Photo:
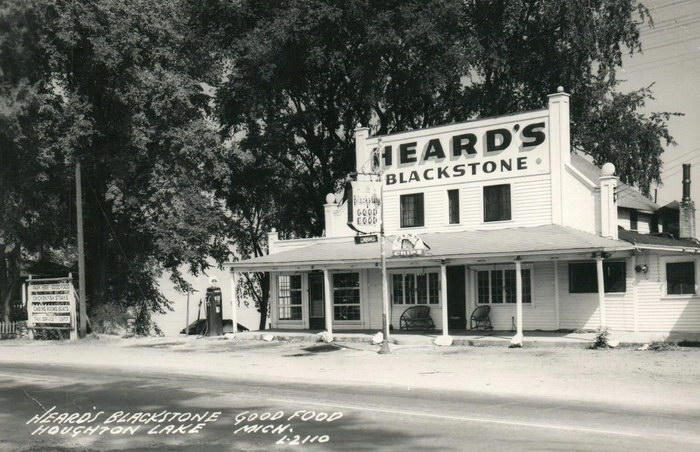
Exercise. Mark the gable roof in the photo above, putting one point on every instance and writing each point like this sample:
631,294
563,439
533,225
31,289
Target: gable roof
627,197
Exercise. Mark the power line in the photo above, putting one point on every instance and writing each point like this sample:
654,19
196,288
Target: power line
679,165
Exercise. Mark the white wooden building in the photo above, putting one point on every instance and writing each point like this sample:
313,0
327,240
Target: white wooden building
499,203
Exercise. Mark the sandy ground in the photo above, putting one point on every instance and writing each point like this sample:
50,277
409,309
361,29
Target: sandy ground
628,377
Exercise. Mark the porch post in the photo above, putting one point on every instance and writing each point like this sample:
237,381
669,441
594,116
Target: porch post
601,290
443,298
517,340
234,303
556,294
327,301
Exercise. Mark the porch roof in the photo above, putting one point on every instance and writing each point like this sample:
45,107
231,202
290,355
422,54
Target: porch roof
530,241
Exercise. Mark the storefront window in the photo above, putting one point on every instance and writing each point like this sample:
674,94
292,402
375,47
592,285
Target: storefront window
680,278
289,297
346,296
498,286
415,288
583,277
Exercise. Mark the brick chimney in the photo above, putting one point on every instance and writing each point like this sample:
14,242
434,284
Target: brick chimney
686,214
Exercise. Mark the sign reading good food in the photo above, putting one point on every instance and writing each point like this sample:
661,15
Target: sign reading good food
364,206
472,151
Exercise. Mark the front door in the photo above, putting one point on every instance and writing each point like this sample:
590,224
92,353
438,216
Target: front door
456,297
317,318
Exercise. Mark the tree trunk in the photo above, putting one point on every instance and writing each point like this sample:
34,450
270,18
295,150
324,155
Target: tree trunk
264,299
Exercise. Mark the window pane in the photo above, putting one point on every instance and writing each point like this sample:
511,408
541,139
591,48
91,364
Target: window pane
422,288
453,201
482,284
497,203
411,210
289,297
346,280
527,286
410,280
509,284
634,219
614,276
583,277
346,296
680,278
346,313
497,286
433,288
398,288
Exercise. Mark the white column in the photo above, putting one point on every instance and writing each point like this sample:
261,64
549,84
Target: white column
601,291
327,300
556,294
517,340
234,303
443,298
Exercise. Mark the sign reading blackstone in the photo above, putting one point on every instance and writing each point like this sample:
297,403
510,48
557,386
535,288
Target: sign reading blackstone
364,206
472,151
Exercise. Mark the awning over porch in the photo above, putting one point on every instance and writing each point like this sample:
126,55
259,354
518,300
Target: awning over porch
510,242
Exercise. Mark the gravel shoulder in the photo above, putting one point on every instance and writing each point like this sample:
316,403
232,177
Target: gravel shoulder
659,380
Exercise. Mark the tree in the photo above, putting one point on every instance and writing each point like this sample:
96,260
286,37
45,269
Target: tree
132,106
250,198
34,176
300,74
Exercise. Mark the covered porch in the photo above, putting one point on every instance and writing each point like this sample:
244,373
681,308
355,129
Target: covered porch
335,285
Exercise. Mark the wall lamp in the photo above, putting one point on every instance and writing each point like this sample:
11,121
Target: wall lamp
641,268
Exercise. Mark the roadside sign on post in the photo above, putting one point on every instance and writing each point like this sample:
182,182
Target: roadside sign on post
51,305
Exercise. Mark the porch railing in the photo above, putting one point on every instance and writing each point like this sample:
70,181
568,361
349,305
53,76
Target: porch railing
8,328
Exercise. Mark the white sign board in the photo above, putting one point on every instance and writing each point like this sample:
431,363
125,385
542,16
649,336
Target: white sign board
51,303
483,150
364,206
407,245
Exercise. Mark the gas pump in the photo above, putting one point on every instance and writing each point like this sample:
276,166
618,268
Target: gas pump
215,322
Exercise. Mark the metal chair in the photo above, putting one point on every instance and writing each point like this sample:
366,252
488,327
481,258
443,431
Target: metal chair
480,318
417,317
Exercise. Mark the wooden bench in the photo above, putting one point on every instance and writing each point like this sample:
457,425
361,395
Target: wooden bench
416,317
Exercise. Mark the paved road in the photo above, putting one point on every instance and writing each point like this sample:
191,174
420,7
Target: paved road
80,410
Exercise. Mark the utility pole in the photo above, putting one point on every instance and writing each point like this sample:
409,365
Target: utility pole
81,248
385,287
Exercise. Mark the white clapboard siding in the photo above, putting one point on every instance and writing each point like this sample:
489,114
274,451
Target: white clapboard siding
540,315
530,204
658,312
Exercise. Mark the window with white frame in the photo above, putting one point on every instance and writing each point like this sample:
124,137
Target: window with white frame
497,286
415,288
346,296
680,278
289,297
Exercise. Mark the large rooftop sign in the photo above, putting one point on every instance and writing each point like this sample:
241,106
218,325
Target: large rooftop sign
484,150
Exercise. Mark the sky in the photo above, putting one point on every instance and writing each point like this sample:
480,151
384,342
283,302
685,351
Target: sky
671,61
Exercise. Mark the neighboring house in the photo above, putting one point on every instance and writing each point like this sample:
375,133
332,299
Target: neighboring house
472,213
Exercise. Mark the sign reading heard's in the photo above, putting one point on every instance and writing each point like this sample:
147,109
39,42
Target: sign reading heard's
466,153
